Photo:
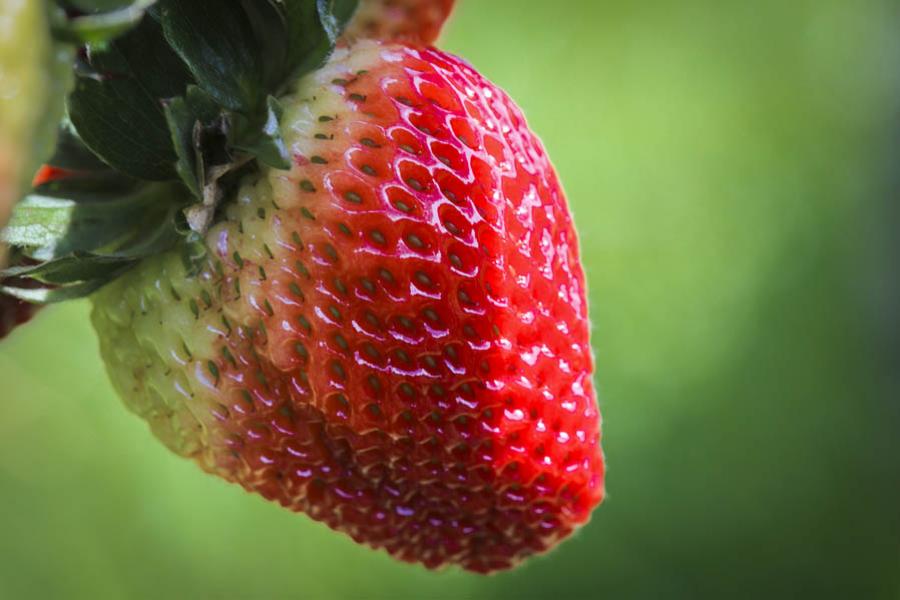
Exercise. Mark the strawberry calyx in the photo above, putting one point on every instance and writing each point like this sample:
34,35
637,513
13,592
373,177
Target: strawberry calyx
172,104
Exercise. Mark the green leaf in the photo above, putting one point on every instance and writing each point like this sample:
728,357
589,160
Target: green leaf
182,124
269,25
335,14
114,122
186,94
313,29
84,244
132,225
38,221
92,186
264,140
158,235
219,47
102,26
116,107
61,294
71,153
197,126
193,254
70,269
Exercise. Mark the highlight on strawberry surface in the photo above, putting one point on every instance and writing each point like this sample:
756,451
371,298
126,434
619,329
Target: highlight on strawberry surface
328,262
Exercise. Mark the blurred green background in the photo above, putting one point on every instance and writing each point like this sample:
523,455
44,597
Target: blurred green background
734,169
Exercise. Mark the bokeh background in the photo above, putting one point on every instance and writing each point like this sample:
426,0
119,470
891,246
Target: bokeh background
734,169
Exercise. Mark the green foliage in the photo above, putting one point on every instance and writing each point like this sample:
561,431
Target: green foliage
116,108
312,30
262,139
220,48
71,153
170,92
193,120
84,239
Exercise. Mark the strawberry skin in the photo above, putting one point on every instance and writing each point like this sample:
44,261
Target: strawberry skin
410,21
391,337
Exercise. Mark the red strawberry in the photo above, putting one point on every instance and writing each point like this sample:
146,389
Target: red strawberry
411,21
391,337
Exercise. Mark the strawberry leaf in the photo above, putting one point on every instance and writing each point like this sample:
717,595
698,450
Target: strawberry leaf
219,48
309,45
313,28
163,121
71,269
131,225
84,243
38,221
193,120
309,39
51,295
269,25
87,186
72,154
116,106
263,140
334,15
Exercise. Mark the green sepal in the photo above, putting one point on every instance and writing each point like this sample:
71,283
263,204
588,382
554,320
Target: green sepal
246,49
263,140
72,154
193,253
334,15
313,29
213,144
219,47
131,106
131,225
72,269
38,221
89,187
81,244
164,119
198,127
116,105
270,32
52,295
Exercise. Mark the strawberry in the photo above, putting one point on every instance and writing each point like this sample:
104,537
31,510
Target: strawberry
340,272
391,336
411,21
